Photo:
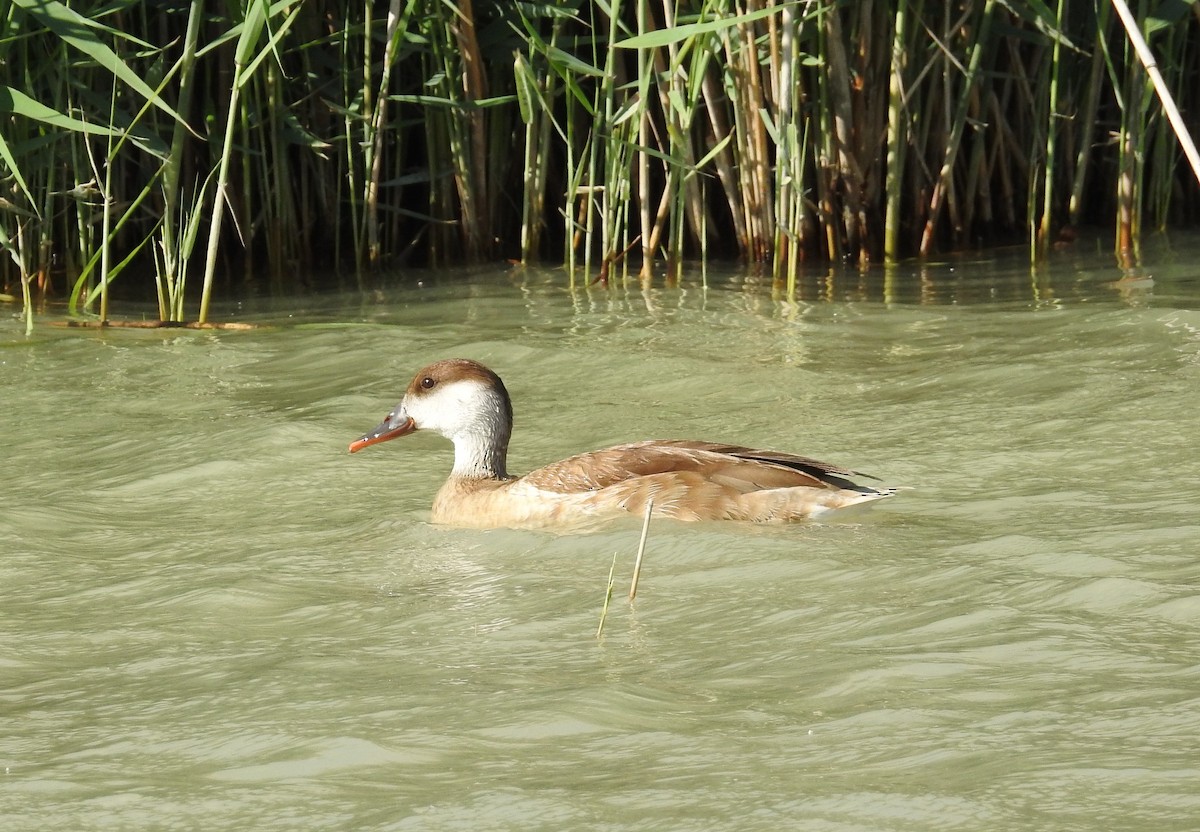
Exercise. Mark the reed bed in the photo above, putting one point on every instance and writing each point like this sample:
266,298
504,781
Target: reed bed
185,148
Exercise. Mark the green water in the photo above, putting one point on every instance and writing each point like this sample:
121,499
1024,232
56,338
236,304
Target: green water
213,617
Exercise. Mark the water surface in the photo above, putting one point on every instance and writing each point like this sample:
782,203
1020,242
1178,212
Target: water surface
215,618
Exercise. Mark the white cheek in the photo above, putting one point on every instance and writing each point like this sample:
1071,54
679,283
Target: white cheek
472,406
449,410
421,413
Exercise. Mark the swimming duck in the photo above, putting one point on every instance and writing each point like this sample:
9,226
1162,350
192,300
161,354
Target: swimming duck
468,404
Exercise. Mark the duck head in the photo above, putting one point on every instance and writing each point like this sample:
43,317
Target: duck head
462,400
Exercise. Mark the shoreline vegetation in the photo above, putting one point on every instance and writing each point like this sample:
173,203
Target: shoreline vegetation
203,145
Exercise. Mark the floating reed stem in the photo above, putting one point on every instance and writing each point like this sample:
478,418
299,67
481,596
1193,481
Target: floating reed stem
608,592
637,564
637,568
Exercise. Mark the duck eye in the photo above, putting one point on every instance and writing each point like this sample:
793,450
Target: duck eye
428,382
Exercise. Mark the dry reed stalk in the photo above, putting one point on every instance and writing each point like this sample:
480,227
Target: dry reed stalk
943,185
1087,119
644,61
755,161
849,176
473,192
1160,86
1129,165
725,160
897,136
1041,240
975,189
252,26
376,122
789,195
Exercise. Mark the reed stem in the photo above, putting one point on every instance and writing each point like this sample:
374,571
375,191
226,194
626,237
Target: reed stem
648,132
1160,86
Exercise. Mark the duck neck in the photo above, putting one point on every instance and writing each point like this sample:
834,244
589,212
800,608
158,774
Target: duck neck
481,437
480,457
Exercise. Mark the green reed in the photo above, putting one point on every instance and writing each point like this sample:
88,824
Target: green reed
260,141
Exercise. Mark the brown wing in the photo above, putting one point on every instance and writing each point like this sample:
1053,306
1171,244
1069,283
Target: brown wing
824,471
743,469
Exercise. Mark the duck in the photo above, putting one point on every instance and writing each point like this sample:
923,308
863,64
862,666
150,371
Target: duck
685,480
